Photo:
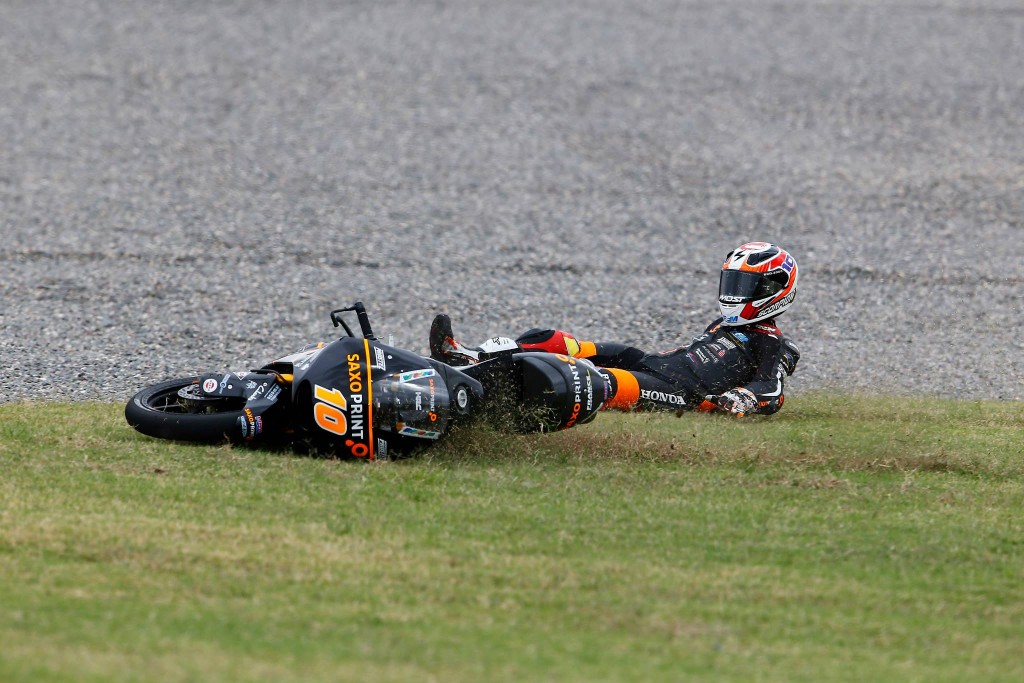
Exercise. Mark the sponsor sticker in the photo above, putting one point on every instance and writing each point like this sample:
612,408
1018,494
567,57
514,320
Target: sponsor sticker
259,391
607,384
419,433
577,387
779,304
252,425
341,405
210,385
416,374
662,397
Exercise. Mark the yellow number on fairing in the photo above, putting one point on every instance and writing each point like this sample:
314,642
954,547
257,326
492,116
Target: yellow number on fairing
329,415
332,396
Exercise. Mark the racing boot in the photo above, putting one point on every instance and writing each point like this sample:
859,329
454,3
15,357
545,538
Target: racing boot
445,348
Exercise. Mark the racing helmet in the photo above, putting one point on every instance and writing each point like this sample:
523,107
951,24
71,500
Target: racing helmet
758,282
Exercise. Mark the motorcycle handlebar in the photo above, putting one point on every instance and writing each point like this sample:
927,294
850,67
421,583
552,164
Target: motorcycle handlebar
361,315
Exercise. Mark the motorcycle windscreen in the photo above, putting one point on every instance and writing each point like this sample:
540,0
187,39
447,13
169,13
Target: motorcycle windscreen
412,404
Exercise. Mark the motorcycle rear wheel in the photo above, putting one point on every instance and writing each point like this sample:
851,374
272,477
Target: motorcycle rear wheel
176,410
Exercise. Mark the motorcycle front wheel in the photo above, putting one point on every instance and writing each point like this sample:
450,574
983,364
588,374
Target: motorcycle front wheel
178,410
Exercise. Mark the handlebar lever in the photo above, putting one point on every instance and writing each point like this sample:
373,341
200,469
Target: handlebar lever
364,320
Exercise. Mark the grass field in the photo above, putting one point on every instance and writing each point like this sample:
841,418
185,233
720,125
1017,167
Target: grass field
845,539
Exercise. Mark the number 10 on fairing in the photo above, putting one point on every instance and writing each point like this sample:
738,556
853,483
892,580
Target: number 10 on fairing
329,410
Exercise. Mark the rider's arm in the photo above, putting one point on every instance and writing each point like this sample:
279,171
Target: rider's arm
777,359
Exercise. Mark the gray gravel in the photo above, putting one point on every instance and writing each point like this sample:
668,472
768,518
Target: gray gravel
190,186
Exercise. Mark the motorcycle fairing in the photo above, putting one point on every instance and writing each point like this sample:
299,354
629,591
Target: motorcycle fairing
541,392
366,399
332,391
259,390
412,403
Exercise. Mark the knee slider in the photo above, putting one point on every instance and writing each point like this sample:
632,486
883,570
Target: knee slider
549,341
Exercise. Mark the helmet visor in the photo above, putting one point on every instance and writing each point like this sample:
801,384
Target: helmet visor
738,286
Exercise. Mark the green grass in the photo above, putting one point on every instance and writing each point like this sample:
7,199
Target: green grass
844,539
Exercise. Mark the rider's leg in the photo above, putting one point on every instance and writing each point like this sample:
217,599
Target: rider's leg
603,354
445,348
635,390
631,389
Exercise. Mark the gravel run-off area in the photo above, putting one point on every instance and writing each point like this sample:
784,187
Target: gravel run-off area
191,186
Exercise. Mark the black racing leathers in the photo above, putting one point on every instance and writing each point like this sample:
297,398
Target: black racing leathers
754,357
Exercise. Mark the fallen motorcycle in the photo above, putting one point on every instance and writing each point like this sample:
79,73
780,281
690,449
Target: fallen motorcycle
359,397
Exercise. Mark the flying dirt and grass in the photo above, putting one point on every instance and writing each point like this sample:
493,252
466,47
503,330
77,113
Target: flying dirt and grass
882,541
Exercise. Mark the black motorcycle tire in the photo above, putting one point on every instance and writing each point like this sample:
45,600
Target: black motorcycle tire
147,412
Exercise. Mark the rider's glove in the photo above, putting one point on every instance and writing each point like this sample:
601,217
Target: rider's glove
738,402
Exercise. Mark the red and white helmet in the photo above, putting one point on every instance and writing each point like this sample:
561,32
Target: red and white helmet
758,282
